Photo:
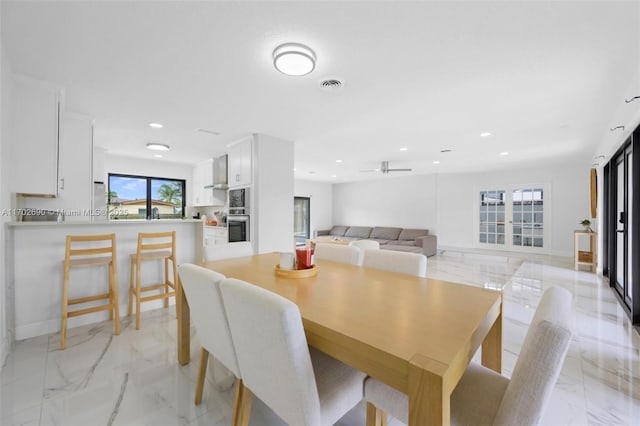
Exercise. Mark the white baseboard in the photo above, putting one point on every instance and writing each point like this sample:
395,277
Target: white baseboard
507,253
41,328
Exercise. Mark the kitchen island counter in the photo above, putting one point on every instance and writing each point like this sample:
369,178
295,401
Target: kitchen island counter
102,222
35,254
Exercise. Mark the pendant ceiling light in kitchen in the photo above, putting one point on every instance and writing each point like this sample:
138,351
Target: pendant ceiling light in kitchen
294,59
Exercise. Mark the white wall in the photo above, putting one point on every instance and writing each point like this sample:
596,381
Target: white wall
6,298
627,115
445,203
406,202
568,201
321,203
143,167
273,194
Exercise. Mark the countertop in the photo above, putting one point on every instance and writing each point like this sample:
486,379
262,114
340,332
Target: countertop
103,223
215,227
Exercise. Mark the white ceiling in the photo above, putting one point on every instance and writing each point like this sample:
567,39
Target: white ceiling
542,77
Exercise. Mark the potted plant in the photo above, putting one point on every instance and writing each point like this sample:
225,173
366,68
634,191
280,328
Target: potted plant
587,225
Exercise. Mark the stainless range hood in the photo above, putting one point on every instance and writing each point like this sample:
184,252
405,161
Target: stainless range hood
219,173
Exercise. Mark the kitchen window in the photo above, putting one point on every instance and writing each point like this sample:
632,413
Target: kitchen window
144,197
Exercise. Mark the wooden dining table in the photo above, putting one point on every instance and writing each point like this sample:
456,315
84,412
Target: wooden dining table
415,334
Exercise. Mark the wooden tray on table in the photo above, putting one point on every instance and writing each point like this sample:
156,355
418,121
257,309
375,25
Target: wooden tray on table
296,273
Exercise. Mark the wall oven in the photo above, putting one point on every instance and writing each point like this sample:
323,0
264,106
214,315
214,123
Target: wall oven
239,201
238,226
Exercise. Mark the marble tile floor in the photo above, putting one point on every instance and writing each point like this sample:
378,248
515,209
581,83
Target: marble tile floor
134,378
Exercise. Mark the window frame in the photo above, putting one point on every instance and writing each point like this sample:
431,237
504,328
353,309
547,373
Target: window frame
149,200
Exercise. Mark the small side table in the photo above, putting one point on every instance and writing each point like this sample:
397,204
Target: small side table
580,257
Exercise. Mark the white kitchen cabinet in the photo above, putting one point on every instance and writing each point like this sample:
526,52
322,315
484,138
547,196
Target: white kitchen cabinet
99,174
203,176
75,168
201,173
239,163
75,179
215,236
34,147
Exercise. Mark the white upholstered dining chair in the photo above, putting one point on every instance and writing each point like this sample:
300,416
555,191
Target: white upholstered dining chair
484,397
364,245
396,261
337,253
202,289
302,386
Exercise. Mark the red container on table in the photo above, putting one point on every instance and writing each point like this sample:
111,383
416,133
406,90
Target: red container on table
304,257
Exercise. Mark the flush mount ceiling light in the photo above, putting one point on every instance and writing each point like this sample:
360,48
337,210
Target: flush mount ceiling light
156,125
436,162
294,59
404,148
503,153
158,147
485,134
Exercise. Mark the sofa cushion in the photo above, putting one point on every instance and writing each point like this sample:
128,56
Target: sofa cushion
382,241
338,230
358,232
412,234
404,243
410,249
385,232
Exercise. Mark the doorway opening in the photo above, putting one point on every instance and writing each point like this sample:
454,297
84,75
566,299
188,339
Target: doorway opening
301,219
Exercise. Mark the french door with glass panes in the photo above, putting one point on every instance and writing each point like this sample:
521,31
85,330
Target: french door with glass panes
512,217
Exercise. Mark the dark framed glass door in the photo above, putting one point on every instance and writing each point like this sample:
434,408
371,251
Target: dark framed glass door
621,235
301,219
621,226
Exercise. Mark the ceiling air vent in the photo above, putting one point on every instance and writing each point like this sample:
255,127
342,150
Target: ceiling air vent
331,84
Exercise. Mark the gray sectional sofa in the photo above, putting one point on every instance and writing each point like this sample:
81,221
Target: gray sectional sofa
411,240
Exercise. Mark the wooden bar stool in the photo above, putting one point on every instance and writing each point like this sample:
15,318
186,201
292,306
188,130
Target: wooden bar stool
88,255
152,246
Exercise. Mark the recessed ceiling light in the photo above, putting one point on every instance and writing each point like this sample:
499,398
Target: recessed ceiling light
485,134
338,161
158,147
157,155
404,148
436,162
294,169
503,153
334,176
156,125
294,59
445,150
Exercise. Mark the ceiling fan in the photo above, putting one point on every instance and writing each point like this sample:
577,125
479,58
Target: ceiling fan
384,169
